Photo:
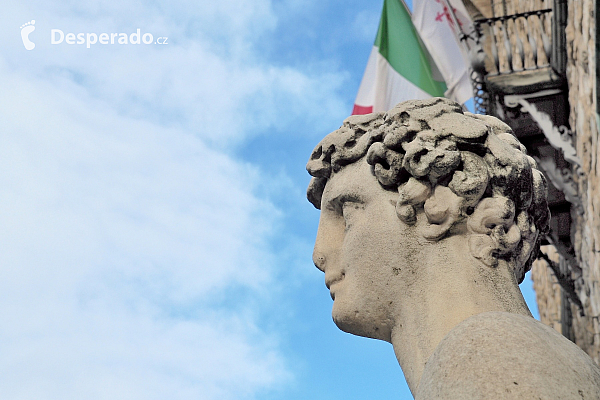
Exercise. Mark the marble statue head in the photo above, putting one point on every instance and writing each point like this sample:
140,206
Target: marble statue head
429,172
430,217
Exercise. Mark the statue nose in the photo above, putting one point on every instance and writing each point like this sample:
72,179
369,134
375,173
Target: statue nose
319,260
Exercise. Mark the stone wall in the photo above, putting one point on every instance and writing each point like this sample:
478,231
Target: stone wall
581,77
547,290
584,330
554,308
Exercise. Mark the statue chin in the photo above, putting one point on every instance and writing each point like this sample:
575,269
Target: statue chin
360,324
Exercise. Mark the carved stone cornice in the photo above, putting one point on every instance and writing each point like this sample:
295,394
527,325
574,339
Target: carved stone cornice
559,137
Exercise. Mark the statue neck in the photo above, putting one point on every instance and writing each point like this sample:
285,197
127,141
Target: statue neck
451,287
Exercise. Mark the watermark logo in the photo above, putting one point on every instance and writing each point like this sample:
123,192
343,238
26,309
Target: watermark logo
26,29
57,37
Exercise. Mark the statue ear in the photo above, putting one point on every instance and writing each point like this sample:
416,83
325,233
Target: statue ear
493,229
387,164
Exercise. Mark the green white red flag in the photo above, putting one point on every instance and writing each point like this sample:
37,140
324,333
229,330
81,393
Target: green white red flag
400,66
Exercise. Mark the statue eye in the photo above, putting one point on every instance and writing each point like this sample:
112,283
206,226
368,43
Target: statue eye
350,212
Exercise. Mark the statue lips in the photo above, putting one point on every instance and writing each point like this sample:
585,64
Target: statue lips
330,282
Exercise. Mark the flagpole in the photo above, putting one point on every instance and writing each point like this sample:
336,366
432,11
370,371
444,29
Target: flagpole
406,6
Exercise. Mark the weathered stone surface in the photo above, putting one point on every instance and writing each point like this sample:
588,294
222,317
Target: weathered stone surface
581,77
507,361
582,80
584,330
419,254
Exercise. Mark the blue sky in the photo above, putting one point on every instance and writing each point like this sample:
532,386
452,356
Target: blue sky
156,240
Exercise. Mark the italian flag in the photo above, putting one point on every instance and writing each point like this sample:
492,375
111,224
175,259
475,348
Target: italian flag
399,67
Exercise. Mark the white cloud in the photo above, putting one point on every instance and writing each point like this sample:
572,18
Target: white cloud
210,70
133,252
108,223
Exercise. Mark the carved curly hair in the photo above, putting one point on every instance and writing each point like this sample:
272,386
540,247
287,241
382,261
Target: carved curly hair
454,167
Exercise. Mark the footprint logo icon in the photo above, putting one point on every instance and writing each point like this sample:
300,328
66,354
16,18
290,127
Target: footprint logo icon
26,29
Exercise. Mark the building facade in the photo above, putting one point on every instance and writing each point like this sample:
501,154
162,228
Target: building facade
534,67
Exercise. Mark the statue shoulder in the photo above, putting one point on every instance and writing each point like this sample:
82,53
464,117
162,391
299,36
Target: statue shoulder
499,355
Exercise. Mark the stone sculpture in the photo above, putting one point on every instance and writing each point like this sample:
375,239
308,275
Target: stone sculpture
430,217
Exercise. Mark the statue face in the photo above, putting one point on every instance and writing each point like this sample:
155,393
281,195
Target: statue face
364,250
